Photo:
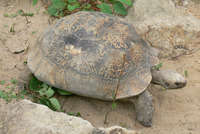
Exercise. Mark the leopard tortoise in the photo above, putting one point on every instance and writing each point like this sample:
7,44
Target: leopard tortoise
83,54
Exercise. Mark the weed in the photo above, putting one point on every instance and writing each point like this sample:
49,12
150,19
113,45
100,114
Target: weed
6,15
123,124
8,96
163,89
2,82
5,25
20,12
158,66
13,81
11,15
74,114
43,93
12,29
114,104
60,8
34,32
186,73
34,2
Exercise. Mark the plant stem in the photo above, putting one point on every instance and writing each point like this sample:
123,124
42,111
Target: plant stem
13,30
116,91
25,16
5,45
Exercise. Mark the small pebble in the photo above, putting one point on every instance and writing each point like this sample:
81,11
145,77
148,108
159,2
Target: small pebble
185,3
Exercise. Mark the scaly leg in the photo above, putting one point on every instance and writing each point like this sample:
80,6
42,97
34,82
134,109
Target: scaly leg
144,108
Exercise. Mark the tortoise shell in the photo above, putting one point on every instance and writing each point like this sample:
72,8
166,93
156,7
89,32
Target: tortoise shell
83,54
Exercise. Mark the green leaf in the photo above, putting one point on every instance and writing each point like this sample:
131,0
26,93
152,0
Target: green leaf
41,93
13,15
6,15
35,2
163,89
62,92
52,10
49,92
61,14
45,101
119,8
58,4
56,14
71,7
13,96
34,84
105,8
55,103
8,100
158,66
71,1
127,2
11,29
77,5
44,87
20,11
2,82
23,92
114,105
74,114
13,81
88,6
186,73
22,97
28,14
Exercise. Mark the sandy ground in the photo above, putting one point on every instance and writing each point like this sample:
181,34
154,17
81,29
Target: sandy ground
176,111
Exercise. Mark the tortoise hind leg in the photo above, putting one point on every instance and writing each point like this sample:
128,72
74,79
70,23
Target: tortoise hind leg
144,108
24,78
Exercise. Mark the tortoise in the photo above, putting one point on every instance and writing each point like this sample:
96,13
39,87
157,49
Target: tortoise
83,54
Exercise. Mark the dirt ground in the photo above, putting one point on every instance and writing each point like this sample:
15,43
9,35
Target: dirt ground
176,111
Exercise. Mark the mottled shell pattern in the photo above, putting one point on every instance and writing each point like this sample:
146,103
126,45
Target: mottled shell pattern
83,54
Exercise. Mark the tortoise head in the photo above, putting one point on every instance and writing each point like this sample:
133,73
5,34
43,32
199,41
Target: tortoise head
168,79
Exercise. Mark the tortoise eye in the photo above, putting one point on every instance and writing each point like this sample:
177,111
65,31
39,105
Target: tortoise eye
177,83
167,84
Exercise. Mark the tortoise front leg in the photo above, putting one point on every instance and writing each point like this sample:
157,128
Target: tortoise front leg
144,108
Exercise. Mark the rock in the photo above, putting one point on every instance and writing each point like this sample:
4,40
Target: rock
25,117
113,130
196,1
168,28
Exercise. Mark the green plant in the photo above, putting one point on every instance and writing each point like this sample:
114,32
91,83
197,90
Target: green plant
74,114
186,73
158,66
34,32
114,103
19,12
12,29
44,93
2,82
9,95
60,8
